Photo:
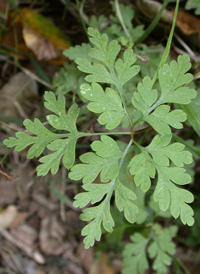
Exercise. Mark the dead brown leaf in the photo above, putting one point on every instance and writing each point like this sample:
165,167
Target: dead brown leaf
188,23
42,47
7,216
21,216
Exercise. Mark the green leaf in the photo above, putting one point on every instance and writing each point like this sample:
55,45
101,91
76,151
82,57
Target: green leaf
134,255
61,120
67,79
156,209
63,148
107,103
39,142
107,53
45,138
161,118
143,169
127,180
189,144
104,161
162,248
167,194
145,97
123,200
97,215
193,4
125,68
100,214
98,73
78,52
104,52
172,77
162,152
96,22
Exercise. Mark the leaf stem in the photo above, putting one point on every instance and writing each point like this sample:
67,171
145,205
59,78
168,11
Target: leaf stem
119,15
152,25
125,153
167,49
124,103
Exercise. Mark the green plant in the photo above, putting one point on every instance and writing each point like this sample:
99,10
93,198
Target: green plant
127,171
193,4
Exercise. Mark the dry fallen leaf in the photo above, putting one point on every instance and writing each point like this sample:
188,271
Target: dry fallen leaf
151,8
35,34
41,46
8,216
188,23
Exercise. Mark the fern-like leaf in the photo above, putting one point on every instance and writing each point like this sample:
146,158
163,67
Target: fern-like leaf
162,248
106,53
135,259
171,78
45,138
105,161
107,103
143,169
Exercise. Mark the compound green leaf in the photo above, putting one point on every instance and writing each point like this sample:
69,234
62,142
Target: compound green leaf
145,97
67,79
98,72
108,70
62,121
193,4
99,214
162,248
162,118
104,52
125,69
42,138
107,103
63,148
104,161
123,200
162,152
96,22
45,138
127,180
143,169
134,255
172,77
78,52
94,194
168,194
156,209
